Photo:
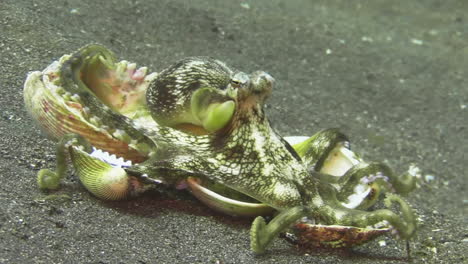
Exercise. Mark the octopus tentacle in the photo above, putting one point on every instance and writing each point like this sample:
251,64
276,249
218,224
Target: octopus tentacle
98,177
48,179
334,212
359,184
261,234
315,150
372,178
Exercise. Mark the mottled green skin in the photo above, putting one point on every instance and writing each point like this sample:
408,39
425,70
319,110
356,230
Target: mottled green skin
240,156
246,155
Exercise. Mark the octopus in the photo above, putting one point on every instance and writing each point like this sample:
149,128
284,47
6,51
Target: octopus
201,125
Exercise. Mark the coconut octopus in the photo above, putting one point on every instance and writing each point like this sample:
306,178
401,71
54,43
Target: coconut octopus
201,125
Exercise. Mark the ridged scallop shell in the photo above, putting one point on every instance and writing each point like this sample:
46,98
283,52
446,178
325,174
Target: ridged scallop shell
222,203
309,235
50,99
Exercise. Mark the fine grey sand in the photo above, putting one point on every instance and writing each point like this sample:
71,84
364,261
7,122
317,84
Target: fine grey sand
393,75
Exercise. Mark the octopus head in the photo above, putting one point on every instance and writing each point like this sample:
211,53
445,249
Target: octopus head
205,93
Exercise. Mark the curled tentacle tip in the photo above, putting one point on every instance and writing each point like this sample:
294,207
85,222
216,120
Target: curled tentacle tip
410,225
407,181
257,232
391,198
47,180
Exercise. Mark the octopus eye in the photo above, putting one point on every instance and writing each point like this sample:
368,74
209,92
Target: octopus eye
240,79
235,82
